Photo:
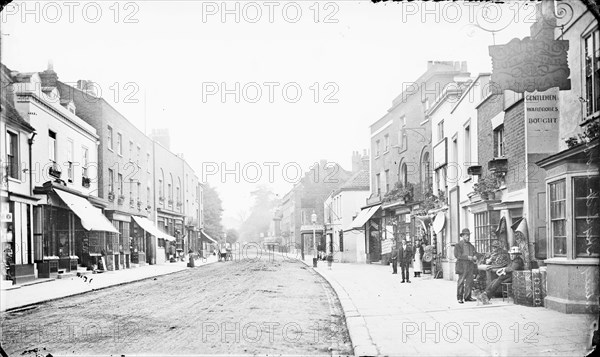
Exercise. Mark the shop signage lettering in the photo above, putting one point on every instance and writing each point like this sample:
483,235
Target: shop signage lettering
542,119
530,65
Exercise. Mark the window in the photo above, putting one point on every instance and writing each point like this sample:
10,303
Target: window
111,181
70,169
387,181
386,143
131,151
139,154
52,145
12,154
110,138
558,221
440,130
119,144
499,141
139,191
485,224
170,192
160,188
85,158
120,185
377,148
592,72
147,162
467,148
148,195
425,172
403,177
586,209
403,120
403,139
442,238
378,184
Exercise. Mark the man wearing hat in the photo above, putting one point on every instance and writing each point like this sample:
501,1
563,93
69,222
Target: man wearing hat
465,255
505,273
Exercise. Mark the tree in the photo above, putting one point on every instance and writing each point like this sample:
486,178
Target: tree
232,235
261,214
213,212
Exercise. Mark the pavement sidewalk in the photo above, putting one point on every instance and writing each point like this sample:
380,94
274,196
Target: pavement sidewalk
386,317
50,289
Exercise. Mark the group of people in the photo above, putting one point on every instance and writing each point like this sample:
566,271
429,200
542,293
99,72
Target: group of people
499,261
405,254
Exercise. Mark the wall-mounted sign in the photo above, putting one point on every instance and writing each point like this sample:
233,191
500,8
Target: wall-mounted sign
6,217
542,121
529,65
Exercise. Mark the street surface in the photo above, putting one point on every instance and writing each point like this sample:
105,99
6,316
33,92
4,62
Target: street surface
263,306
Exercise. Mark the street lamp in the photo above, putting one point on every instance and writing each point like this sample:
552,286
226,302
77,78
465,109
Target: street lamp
313,219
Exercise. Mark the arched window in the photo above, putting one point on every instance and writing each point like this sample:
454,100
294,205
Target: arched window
403,175
425,172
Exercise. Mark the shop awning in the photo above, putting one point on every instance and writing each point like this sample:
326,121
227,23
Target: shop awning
149,227
91,217
208,237
363,217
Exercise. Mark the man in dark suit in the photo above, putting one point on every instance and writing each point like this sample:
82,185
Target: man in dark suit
394,259
405,254
465,255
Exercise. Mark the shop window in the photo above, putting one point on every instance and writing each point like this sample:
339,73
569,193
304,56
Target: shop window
558,221
442,239
592,72
586,211
486,224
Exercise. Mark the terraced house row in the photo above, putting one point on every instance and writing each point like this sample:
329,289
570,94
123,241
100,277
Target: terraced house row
83,188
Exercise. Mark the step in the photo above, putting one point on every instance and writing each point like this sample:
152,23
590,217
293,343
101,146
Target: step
8,285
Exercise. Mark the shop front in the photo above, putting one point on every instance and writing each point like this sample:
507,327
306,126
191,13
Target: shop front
16,237
69,231
573,246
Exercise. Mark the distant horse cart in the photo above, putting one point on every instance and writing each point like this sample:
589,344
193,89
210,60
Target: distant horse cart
224,254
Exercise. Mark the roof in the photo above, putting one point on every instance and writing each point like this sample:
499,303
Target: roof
359,181
12,117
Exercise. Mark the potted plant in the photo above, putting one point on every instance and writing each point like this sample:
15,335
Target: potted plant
400,193
487,186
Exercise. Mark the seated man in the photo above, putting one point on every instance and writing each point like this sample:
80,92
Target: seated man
504,274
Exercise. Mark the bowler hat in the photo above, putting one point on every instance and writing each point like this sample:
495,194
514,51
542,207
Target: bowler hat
465,231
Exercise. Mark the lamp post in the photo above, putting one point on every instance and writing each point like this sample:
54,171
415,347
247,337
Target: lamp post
313,219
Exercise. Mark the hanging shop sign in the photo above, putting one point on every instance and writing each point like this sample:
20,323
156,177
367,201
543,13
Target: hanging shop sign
528,65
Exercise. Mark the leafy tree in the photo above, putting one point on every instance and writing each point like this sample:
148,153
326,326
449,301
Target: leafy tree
261,214
232,235
213,212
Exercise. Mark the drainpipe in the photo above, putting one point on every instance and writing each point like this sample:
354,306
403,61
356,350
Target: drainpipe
30,142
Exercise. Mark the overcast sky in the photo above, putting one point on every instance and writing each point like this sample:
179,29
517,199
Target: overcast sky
177,54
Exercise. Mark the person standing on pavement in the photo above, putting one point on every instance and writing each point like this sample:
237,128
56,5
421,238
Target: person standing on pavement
465,254
394,259
405,255
418,263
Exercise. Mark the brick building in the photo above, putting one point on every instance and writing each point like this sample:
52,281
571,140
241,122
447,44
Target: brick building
125,168
401,157
305,198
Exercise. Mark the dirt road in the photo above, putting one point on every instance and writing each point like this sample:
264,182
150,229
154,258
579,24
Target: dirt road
262,307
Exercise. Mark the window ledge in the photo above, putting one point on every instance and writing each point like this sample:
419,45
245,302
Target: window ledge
385,152
468,179
576,261
111,150
13,179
